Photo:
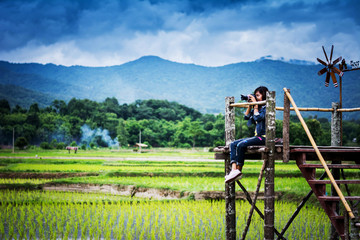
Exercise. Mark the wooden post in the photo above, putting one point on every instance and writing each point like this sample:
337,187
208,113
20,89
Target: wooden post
286,129
335,126
229,187
269,195
13,145
140,141
335,141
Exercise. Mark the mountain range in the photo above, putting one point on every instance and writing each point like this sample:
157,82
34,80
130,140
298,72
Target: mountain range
150,77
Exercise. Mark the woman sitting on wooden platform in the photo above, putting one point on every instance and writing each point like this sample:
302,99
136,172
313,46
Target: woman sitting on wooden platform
238,147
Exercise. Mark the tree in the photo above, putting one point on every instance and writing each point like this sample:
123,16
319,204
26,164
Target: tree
4,106
34,108
59,106
18,109
122,133
195,131
45,145
53,143
111,105
21,142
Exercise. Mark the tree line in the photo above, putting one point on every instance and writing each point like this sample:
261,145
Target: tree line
87,123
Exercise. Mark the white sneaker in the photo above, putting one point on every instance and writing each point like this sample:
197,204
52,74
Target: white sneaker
233,175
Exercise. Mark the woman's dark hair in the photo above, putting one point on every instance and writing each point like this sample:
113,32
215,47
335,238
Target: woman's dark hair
262,90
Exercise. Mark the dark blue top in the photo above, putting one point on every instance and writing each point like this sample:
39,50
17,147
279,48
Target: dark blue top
258,120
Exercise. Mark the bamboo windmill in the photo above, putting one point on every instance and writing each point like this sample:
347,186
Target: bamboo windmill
330,69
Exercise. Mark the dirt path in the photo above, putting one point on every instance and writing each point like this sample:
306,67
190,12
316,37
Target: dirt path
146,193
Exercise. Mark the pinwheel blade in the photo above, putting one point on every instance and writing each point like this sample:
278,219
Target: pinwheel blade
340,73
333,78
332,49
337,60
325,54
322,71
321,61
327,80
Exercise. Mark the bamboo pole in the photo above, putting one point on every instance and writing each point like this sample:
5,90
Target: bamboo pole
321,109
343,200
308,109
348,109
246,104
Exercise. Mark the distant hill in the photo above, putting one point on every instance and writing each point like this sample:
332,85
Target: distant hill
17,95
199,87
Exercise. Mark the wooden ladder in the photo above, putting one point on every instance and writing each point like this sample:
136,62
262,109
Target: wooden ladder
329,203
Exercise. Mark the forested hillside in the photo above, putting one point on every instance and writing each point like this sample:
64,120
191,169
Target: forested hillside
87,123
199,87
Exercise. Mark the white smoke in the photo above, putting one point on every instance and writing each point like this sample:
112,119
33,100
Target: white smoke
89,135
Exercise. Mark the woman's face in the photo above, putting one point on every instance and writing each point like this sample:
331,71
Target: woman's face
258,96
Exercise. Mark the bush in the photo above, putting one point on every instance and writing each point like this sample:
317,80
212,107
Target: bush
83,146
73,144
21,142
219,143
185,145
92,145
60,145
45,145
53,143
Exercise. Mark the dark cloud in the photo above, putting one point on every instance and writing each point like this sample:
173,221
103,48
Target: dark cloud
186,28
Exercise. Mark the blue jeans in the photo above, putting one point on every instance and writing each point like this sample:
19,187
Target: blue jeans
238,148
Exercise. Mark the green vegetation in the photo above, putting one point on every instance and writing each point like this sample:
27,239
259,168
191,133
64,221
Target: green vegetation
90,124
28,212
71,215
197,172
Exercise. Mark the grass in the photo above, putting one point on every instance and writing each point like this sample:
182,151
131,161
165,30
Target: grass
178,175
38,214
56,215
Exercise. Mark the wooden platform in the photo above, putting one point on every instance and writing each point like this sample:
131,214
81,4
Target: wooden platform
330,153
338,158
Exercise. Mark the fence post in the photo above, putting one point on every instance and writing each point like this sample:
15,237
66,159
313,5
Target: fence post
335,125
335,141
286,129
229,187
270,167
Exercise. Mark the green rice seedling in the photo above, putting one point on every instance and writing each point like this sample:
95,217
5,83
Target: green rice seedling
143,219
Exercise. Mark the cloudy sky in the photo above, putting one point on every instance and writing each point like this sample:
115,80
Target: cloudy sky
204,32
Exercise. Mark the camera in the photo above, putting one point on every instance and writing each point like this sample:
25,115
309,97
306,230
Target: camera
246,98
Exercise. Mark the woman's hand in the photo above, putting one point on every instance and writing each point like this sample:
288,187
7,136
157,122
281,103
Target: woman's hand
251,98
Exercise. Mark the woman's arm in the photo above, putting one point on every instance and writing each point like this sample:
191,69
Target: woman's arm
260,116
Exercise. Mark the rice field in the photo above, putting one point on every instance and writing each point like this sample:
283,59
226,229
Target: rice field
36,214
59,215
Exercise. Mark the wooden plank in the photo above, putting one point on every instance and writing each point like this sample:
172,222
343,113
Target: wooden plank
330,150
344,166
334,198
337,181
324,147
220,156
